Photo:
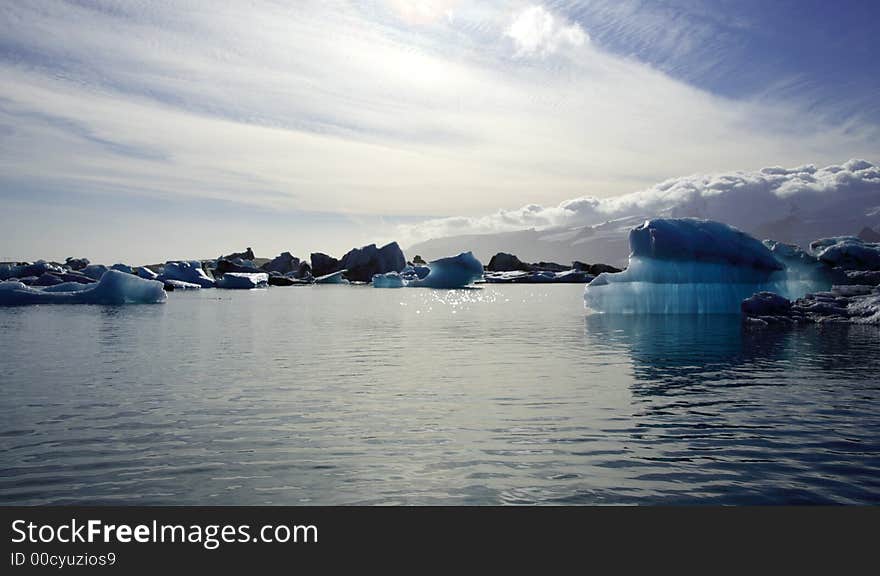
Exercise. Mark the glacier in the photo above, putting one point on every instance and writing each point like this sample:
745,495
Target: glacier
114,287
694,266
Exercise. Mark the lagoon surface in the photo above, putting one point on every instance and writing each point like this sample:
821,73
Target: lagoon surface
505,394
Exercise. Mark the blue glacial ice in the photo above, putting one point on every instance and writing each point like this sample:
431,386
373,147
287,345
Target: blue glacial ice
243,280
692,266
453,272
114,287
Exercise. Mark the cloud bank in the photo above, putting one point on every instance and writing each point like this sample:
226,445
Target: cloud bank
747,199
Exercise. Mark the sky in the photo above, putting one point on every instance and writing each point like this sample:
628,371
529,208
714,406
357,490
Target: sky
147,130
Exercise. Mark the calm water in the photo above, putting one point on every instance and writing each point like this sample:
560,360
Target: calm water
500,395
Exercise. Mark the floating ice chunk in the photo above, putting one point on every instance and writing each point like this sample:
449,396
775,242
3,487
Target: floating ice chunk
186,272
848,252
122,268
171,285
48,280
573,276
453,272
36,269
67,287
389,280
94,271
334,278
363,263
855,304
114,288
690,266
146,273
243,280
507,277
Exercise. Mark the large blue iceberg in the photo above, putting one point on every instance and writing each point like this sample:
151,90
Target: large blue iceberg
114,287
692,266
453,272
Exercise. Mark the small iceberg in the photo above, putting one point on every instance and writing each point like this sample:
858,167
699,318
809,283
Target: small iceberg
172,285
847,304
243,280
122,268
389,280
333,278
114,287
146,273
453,272
36,269
186,271
94,271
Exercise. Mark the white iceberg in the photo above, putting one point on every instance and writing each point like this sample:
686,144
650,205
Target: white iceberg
114,287
691,266
186,272
180,285
243,280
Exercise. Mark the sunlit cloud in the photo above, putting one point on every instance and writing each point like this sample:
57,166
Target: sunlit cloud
535,30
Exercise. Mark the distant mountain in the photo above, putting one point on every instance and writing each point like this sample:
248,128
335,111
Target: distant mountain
606,243
794,206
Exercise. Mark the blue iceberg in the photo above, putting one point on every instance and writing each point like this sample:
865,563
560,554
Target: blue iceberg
453,272
692,266
114,287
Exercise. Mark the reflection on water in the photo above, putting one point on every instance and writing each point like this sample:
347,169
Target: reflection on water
503,394
782,415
